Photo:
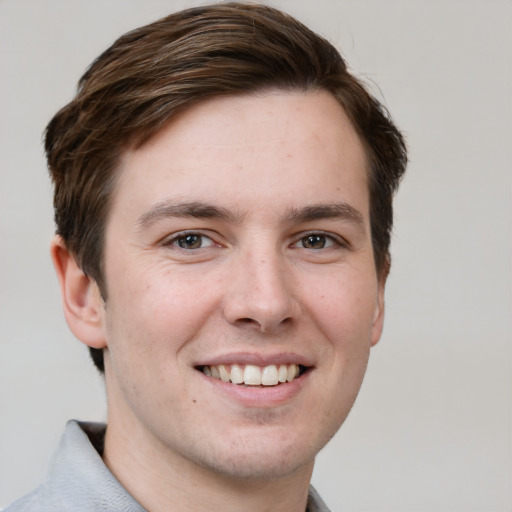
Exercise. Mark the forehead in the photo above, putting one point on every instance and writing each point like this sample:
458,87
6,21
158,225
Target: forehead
275,147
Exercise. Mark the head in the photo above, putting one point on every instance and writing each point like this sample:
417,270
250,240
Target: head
150,75
223,197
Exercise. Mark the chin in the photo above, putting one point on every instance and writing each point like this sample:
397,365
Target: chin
264,456
261,467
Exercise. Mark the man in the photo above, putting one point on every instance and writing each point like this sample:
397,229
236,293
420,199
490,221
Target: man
223,201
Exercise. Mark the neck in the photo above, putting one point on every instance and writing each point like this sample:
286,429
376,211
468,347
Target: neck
160,479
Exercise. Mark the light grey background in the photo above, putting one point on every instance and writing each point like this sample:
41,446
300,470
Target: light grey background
432,428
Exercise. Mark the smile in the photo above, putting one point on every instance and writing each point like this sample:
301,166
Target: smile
252,375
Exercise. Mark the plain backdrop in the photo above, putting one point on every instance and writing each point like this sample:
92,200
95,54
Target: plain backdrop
432,428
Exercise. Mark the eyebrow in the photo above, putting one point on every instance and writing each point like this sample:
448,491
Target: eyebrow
200,210
341,211
191,209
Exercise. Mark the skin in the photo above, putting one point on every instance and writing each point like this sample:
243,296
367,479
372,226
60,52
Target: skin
272,169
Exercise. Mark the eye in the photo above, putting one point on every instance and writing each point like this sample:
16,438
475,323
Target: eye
316,241
191,241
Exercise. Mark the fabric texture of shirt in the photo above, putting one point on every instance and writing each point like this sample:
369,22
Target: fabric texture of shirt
78,480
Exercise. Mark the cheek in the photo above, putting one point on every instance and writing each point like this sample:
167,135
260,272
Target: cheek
153,306
345,304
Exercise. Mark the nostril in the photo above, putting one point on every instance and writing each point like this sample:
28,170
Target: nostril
265,327
247,321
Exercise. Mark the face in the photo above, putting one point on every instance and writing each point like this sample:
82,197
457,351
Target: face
242,293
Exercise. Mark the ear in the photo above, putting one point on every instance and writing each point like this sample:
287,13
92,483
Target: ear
81,299
378,317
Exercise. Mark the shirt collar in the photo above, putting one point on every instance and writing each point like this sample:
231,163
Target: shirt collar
78,475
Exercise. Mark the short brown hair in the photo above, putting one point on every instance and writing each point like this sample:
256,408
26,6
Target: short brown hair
148,75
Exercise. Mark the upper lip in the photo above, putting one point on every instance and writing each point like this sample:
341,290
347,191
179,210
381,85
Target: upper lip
257,359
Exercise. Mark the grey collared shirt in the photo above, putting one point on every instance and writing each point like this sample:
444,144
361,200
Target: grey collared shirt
78,480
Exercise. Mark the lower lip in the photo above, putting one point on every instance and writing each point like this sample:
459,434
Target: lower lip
256,396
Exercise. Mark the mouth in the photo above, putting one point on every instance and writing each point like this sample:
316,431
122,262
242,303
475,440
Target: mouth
253,375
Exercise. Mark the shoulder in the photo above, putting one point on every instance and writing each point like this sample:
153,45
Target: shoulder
77,478
36,501
315,502
52,494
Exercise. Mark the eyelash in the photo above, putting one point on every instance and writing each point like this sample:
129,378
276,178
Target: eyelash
329,239
334,241
175,239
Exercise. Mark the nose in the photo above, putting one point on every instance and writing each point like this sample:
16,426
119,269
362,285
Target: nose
260,293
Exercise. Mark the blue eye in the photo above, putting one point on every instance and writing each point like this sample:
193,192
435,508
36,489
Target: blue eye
191,241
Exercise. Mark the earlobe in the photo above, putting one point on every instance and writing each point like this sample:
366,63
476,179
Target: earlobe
81,298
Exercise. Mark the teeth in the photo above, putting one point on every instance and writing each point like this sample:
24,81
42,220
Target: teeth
252,375
269,375
283,373
224,374
237,374
293,371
